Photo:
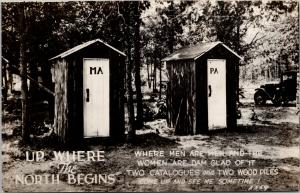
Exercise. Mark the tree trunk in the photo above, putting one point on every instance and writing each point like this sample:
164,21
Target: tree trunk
286,62
154,74
10,81
279,64
238,47
137,63
47,82
33,89
23,73
130,107
151,74
160,78
171,33
148,75
4,79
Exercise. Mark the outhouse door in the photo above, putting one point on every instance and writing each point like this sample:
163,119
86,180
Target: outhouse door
96,97
216,92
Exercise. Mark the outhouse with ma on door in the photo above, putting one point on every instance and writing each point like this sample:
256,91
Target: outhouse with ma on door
89,92
202,88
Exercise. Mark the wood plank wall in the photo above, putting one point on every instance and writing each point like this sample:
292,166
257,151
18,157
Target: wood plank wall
61,103
181,99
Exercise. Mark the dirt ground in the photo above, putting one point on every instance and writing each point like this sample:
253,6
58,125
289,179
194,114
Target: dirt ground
274,133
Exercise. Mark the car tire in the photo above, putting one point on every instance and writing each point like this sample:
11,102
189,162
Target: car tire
277,101
259,98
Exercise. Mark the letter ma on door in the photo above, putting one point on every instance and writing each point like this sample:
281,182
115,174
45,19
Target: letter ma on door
89,98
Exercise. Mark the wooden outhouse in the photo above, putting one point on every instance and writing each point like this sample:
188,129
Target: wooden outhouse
89,92
202,88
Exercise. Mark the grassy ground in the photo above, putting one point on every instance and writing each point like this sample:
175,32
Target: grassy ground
275,133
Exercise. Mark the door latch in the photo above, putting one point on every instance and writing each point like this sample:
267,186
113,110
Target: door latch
209,91
87,95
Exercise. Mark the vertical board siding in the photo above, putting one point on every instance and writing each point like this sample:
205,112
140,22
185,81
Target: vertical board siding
61,110
181,97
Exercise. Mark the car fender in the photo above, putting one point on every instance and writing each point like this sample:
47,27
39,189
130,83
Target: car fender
264,91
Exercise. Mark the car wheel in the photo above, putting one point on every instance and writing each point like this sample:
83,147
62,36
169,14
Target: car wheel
277,101
285,102
259,98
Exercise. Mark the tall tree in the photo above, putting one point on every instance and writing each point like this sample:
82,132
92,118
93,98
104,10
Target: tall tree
4,81
137,63
23,71
129,70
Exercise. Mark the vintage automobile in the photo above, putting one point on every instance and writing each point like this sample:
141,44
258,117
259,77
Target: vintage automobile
278,93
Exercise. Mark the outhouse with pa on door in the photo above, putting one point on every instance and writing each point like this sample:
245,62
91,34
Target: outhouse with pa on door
202,88
89,92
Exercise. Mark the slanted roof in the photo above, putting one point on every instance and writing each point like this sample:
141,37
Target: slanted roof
84,45
196,51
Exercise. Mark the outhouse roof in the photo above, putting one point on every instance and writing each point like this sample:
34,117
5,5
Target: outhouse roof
84,45
196,51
